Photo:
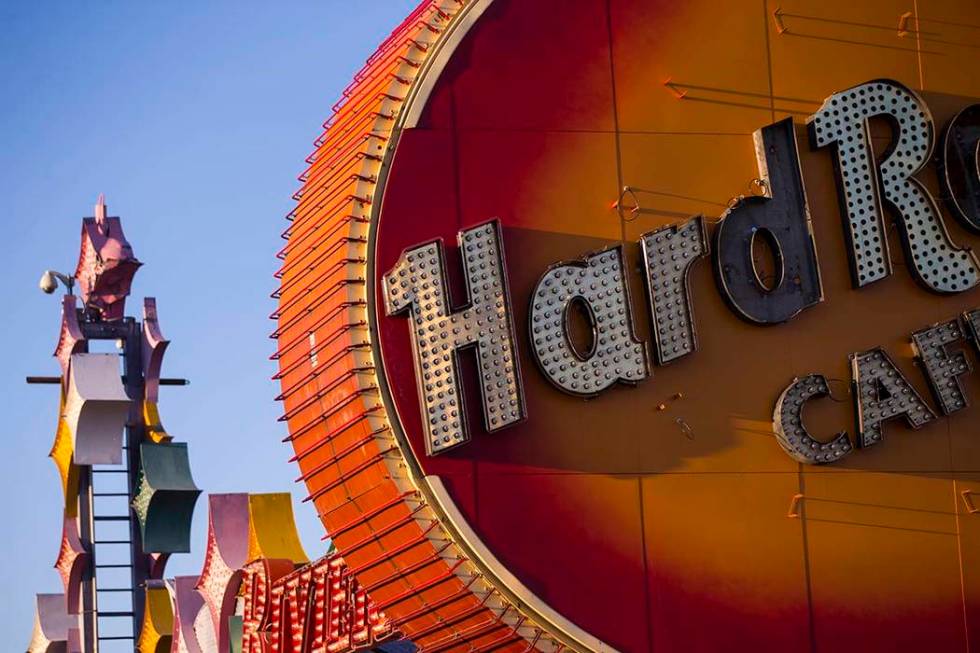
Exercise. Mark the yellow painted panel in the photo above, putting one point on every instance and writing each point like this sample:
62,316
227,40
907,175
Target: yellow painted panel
830,45
154,426
724,90
158,622
62,453
948,35
676,176
272,531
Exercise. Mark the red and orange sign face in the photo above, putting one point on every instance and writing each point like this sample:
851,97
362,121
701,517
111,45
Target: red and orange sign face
523,428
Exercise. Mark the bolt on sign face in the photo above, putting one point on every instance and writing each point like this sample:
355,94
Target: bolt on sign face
632,325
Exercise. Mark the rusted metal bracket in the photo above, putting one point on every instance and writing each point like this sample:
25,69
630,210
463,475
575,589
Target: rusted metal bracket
673,87
633,210
968,500
903,24
794,506
777,17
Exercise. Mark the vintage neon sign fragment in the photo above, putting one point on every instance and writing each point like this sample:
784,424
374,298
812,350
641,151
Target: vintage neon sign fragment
669,253
782,217
942,368
843,121
792,433
417,285
598,280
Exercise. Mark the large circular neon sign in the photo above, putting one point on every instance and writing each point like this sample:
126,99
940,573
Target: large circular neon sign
543,385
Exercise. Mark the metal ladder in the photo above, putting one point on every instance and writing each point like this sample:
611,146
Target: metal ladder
109,549
95,484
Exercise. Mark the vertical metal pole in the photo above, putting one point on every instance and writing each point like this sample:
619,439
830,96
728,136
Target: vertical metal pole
86,531
135,433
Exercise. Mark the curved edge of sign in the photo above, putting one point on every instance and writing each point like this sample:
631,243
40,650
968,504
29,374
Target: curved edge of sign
418,95
462,536
484,558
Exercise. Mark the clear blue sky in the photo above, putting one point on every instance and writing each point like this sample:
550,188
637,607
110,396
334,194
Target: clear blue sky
194,120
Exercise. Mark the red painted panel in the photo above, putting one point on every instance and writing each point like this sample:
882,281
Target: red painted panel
541,65
587,526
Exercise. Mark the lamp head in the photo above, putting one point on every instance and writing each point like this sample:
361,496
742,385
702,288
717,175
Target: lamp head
48,283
